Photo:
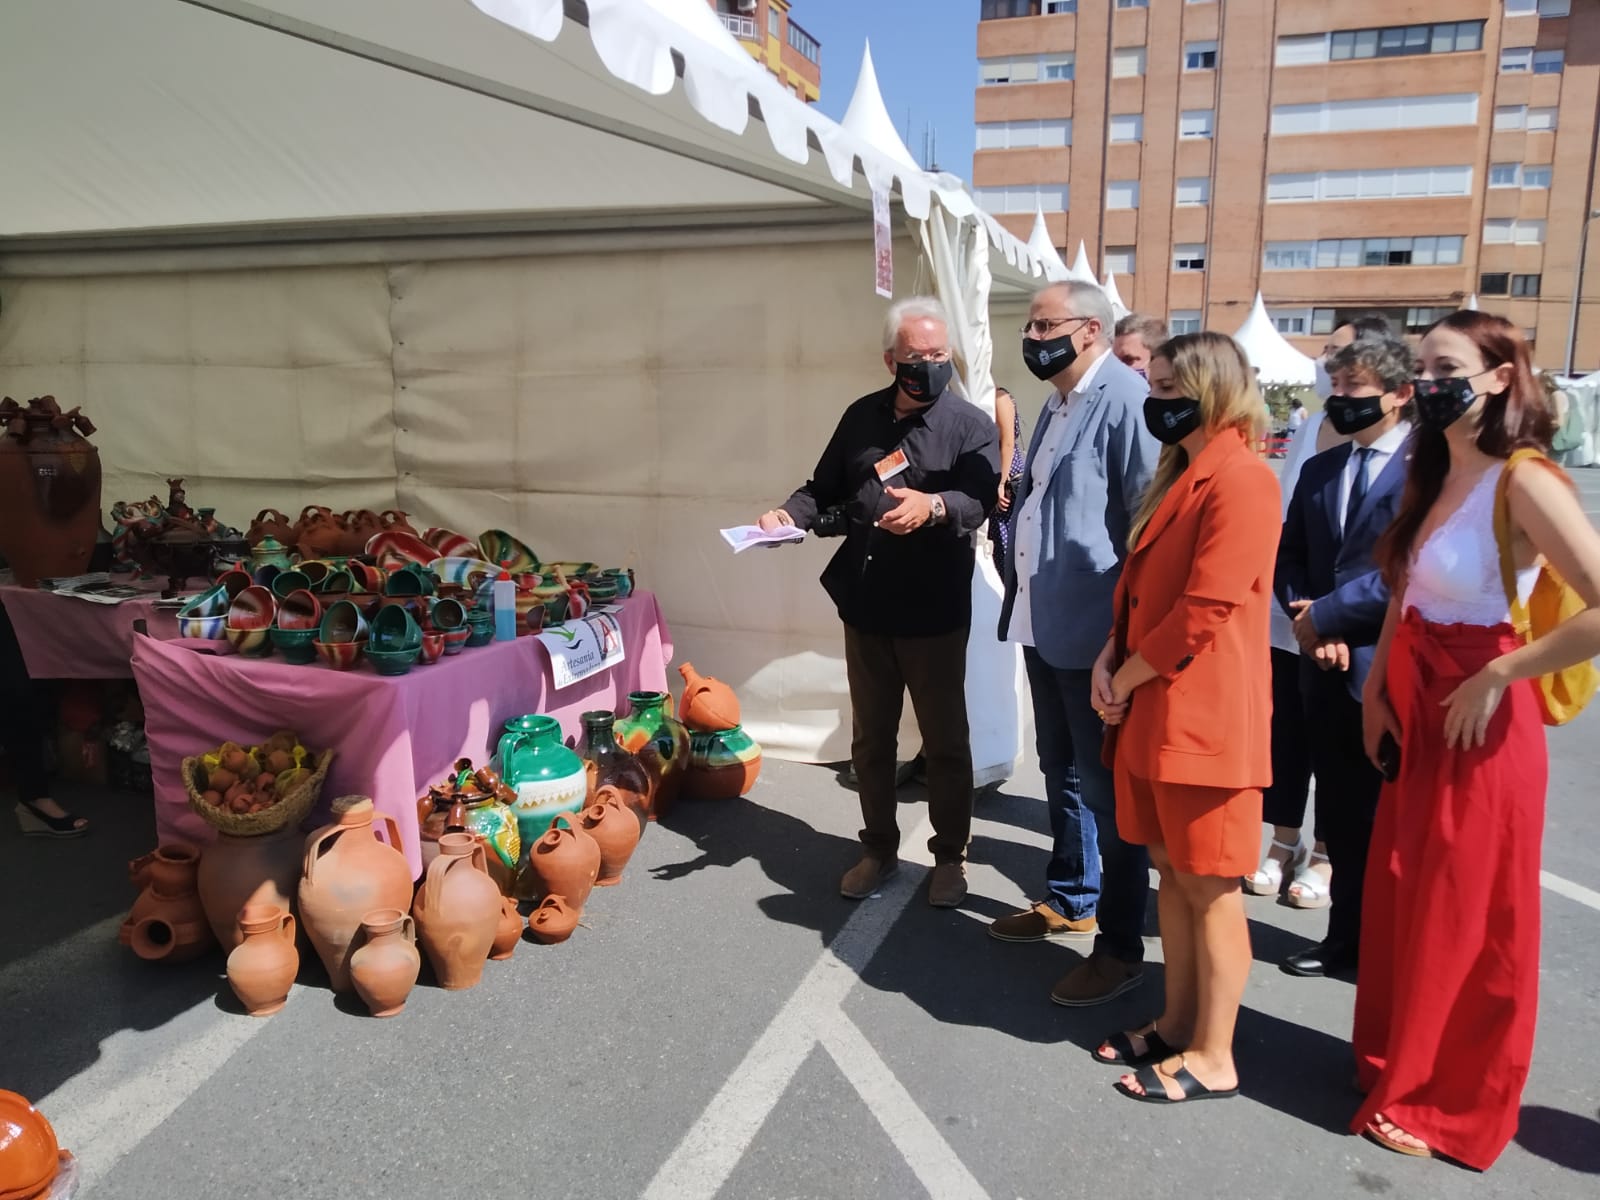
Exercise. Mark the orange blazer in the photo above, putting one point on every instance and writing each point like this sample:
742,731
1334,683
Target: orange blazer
1195,600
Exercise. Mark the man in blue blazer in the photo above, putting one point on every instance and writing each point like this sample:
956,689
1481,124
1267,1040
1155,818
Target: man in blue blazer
1088,467
1327,581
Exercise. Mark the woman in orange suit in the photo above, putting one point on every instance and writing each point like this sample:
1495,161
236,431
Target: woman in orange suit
1186,683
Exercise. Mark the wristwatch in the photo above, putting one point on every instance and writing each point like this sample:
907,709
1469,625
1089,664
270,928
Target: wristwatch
936,510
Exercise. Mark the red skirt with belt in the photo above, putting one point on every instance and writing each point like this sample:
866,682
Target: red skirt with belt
1448,988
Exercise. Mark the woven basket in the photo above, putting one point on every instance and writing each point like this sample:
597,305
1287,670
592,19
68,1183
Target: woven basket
290,810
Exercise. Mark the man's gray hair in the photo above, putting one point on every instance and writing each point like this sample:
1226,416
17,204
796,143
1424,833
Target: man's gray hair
1387,360
912,308
1086,300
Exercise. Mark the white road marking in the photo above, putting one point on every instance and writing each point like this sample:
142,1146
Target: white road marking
710,1151
1572,891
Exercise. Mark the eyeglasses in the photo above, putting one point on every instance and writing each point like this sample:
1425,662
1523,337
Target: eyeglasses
914,358
1044,325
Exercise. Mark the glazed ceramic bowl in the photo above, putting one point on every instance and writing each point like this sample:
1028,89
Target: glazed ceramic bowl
290,581
482,629
622,578
602,592
395,629
455,640
392,662
393,548
449,543
341,656
403,583
253,643
342,622
337,581
233,581
447,615
532,621
209,629
432,648
296,645
463,571
300,611
503,550
369,578
572,570
253,608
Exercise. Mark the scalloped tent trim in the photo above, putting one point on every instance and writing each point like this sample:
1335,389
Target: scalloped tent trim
1269,352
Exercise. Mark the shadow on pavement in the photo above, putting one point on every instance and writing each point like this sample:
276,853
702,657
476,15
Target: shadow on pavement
1563,1138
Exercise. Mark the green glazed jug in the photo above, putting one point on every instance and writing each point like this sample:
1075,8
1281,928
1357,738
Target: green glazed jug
548,778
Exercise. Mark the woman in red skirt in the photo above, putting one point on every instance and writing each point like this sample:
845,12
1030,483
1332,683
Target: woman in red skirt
1447,991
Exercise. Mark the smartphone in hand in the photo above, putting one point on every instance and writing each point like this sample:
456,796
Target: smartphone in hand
1389,757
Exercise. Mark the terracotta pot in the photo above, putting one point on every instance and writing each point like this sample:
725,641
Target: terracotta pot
722,765
318,533
384,966
349,873
707,704
235,871
167,922
508,933
262,968
359,529
554,920
49,489
615,829
30,1156
564,862
458,911
270,523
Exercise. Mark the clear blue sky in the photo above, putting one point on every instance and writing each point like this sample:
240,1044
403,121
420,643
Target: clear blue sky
927,59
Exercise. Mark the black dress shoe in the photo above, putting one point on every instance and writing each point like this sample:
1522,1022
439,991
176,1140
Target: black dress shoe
1325,958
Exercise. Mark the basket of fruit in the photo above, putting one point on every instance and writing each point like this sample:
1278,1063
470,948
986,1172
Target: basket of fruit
247,791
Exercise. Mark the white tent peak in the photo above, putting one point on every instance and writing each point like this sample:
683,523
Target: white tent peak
1275,360
868,118
1055,269
1470,304
1082,269
1118,308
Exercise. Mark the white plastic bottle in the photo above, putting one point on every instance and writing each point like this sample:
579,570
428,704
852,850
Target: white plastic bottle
505,607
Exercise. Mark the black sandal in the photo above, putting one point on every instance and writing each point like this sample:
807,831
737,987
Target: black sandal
1155,1091
35,823
1121,1043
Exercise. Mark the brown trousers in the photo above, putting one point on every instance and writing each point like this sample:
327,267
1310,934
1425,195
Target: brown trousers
882,669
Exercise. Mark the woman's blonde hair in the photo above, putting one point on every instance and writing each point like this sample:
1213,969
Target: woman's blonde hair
1210,369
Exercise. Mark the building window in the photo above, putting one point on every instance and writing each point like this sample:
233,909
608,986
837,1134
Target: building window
1133,3
1554,8
1536,177
1023,199
1512,231
1059,67
1127,127
1505,175
807,45
1196,190
1521,8
1372,183
1122,193
1375,114
775,23
1322,320
1127,62
1393,41
1287,256
1024,135
1189,257
1511,116
1516,60
1055,7
998,10
1298,50
1184,320
1525,285
1008,70
1200,56
1293,323
1548,62
1195,123
1432,251
1420,319
1120,259
1494,283
1540,119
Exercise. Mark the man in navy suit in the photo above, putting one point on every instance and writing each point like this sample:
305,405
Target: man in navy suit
1327,581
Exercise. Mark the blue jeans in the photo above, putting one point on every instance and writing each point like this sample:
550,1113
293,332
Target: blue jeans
1092,871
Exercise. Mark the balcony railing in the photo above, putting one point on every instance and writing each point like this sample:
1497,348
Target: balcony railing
741,26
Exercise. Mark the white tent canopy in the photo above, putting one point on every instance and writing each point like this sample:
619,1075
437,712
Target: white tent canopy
1275,360
1082,268
1044,249
1118,308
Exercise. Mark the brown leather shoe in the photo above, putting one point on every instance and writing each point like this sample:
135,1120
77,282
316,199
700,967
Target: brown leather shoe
947,885
866,877
1038,923
1095,980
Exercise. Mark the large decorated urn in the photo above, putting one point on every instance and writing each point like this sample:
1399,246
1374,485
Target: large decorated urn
49,489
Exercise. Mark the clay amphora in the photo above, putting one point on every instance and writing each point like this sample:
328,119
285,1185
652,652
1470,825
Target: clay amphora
262,968
167,922
235,871
722,765
348,873
662,743
458,911
564,862
615,829
707,704
385,964
509,932
49,490
554,920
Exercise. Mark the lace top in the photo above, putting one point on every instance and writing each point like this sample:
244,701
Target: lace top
1455,574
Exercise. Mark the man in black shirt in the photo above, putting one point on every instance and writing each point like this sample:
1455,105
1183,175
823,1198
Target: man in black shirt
909,475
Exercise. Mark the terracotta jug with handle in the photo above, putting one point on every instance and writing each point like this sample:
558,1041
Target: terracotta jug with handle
348,873
457,910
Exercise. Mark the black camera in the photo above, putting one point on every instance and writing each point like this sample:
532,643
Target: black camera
831,522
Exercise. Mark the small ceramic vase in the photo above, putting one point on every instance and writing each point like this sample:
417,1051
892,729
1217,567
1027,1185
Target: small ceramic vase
554,920
385,964
722,765
564,862
262,967
508,933
662,743
457,911
708,705
348,873
614,829
547,778
168,921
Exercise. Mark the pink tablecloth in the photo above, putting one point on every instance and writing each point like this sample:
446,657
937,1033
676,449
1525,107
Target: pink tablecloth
392,737
65,638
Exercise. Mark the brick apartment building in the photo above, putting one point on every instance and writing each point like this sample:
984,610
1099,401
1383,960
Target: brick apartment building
767,30
1392,154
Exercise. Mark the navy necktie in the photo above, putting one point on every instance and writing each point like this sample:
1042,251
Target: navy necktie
1358,488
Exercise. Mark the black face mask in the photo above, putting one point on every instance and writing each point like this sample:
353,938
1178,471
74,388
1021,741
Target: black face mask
1352,414
1047,359
1442,402
924,382
1170,421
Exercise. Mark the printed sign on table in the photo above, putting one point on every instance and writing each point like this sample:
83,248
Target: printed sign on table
579,649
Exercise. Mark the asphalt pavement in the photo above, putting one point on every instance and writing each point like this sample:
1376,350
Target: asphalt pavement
726,1025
